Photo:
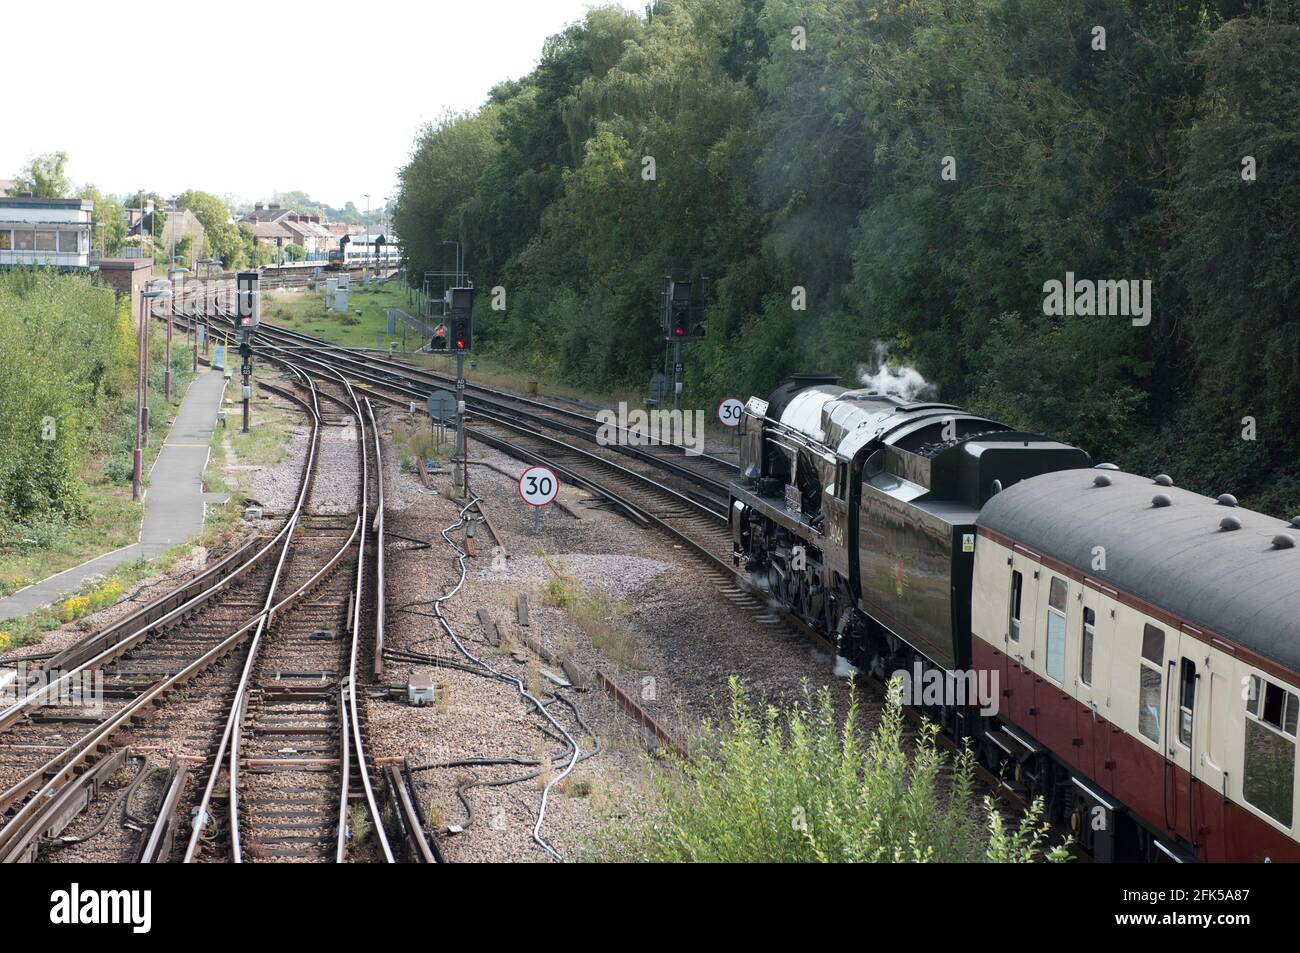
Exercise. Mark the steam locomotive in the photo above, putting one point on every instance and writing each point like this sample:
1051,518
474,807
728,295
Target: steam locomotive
1139,641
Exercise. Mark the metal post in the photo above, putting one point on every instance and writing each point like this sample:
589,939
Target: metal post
167,374
137,462
461,449
677,374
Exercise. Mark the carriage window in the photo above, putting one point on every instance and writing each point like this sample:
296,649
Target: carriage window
1017,583
1186,702
45,241
1269,779
1056,630
1089,630
1149,681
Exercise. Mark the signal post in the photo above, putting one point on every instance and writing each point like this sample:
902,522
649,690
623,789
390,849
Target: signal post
460,339
248,310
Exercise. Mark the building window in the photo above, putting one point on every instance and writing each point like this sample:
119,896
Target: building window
1186,702
1269,779
44,241
1150,678
70,242
1017,583
6,240
22,240
1085,661
1056,629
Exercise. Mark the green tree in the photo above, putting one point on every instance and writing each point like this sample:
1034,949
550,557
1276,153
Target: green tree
222,238
108,221
45,177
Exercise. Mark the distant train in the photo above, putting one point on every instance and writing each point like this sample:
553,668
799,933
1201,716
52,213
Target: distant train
359,250
1142,639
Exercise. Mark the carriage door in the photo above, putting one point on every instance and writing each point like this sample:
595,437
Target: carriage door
1182,688
1020,640
1092,684
1214,698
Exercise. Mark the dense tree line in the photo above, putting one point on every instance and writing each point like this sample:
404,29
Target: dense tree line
920,168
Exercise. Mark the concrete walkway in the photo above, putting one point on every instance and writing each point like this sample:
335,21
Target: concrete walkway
174,503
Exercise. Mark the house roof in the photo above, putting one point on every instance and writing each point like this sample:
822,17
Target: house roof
267,213
269,230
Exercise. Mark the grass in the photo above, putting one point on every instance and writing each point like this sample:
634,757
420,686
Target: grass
593,611
304,310
267,442
32,551
798,785
361,825
95,594
419,439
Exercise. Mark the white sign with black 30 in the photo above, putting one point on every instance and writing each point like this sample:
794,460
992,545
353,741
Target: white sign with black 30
538,486
730,410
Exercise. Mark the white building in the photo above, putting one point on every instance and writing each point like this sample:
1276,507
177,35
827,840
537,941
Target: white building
36,231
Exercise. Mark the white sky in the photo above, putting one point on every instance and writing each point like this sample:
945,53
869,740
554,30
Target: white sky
219,88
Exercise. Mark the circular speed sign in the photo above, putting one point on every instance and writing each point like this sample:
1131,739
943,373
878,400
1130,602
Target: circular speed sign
538,486
729,411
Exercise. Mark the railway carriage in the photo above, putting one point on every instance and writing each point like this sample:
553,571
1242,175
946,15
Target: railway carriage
1146,641
1142,638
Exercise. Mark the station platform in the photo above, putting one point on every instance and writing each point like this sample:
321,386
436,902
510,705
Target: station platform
174,501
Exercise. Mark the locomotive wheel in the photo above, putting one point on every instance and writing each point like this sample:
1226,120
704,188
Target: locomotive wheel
774,579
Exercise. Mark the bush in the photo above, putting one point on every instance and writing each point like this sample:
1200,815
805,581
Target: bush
64,345
797,786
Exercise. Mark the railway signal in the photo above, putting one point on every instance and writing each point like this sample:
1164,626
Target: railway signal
248,307
462,319
679,324
679,309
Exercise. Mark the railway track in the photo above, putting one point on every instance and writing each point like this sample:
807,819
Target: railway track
289,778
150,661
706,473
246,674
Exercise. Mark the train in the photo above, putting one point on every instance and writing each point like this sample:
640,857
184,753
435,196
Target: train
353,251
1120,647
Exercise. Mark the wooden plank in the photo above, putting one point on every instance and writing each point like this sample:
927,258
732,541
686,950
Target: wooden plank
489,627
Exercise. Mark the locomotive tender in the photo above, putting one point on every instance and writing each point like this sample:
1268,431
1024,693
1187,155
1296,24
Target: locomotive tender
1142,639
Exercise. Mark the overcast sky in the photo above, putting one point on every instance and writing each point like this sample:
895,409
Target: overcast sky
253,97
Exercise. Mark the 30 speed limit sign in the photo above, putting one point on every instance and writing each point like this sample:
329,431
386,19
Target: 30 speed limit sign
729,411
538,486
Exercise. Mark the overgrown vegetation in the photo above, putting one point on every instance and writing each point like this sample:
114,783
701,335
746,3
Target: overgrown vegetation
802,144
67,387
800,786
592,610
